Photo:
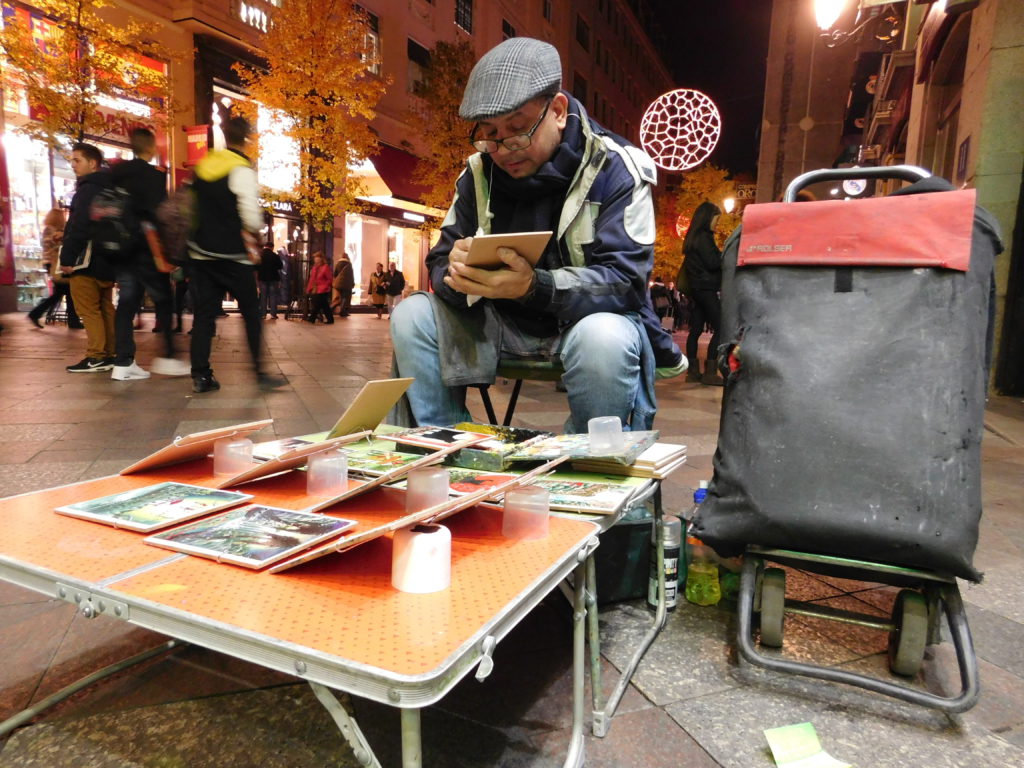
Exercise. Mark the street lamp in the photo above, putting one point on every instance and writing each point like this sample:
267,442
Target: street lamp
827,12
729,204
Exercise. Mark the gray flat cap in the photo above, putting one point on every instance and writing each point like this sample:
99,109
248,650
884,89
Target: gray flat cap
508,76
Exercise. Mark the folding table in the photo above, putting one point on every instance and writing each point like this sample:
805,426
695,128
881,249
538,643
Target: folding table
335,622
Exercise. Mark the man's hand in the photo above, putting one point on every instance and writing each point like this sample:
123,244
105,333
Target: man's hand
65,270
513,281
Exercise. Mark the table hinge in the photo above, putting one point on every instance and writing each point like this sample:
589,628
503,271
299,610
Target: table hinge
90,605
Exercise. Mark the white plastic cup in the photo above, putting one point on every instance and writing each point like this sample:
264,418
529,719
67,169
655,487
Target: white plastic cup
421,560
526,513
605,435
427,487
232,455
327,474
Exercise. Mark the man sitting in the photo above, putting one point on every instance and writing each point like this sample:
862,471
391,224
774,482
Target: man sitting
541,164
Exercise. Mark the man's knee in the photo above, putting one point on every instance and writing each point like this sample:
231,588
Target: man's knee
411,318
601,340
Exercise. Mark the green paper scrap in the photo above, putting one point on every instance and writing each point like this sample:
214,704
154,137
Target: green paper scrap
797,746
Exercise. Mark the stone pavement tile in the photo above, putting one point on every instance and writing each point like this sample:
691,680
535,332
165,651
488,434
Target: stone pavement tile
999,592
997,639
186,672
854,726
12,594
21,452
283,727
21,433
22,478
649,739
30,633
1000,708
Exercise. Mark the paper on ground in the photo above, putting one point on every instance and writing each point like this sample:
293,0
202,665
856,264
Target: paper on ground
797,746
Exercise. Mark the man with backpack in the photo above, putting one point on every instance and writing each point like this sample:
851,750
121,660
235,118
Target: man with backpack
145,187
92,275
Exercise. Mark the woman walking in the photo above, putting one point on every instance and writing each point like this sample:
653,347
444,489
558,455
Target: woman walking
378,289
319,289
703,265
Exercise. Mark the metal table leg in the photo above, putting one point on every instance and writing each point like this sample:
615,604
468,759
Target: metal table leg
574,758
412,739
602,716
350,729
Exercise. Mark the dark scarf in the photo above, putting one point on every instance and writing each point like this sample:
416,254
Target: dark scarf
534,204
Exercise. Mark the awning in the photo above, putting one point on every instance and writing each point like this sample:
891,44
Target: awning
395,167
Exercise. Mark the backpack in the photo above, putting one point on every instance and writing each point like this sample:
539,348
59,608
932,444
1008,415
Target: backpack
113,227
176,221
683,281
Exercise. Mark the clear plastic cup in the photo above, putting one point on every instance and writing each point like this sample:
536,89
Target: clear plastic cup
232,455
605,435
427,487
526,513
327,474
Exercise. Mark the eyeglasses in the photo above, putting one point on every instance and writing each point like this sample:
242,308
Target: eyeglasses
511,143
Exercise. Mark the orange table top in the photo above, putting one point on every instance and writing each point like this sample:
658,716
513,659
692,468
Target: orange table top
342,606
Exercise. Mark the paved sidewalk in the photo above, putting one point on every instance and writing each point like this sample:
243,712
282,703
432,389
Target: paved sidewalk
692,703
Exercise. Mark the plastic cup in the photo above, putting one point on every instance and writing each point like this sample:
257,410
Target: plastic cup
605,435
526,513
232,455
327,474
427,487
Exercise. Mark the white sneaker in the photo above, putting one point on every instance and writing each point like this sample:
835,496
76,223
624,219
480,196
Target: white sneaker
128,372
170,366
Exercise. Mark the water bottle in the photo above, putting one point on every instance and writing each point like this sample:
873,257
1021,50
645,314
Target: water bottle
702,587
672,539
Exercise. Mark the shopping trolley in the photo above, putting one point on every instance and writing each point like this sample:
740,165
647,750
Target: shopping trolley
855,349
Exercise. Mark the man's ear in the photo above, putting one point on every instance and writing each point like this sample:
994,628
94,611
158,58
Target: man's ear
560,106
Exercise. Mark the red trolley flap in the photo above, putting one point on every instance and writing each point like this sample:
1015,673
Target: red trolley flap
925,230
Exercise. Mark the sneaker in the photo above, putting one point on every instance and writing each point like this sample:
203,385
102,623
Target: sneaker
170,366
90,365
130,372
206,383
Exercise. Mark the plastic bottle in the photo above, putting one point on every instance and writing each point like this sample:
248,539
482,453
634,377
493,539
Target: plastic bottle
702,587
672,538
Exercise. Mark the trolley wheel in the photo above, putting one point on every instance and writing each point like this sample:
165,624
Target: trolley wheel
908,639
773,606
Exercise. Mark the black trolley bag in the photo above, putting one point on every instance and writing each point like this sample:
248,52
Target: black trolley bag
855,345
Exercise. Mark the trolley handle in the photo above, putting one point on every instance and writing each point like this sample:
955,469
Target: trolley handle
906,172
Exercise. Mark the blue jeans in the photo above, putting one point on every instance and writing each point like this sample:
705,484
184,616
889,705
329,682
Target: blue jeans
133,280
600,354
268,298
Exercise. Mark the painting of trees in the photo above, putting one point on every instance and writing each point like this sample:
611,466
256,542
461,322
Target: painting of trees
70,59
318,82
444,133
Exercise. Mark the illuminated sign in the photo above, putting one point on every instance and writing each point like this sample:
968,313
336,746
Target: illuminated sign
680,129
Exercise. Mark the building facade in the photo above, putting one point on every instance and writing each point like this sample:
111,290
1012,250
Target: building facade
609,62
932,83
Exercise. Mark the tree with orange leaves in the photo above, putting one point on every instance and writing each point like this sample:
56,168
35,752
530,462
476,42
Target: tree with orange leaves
318,80
68,57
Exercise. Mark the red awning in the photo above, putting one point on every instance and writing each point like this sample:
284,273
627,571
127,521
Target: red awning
395,167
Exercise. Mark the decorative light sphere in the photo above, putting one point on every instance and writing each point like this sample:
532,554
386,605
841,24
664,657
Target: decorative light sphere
682,224
680,129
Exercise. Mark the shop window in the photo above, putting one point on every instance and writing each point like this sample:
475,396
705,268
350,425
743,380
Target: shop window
464,14
582,33
419,61
507,30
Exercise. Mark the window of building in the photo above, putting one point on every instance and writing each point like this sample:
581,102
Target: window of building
419,60
579,87
582,33
464,14
372,39
507,30
547,10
